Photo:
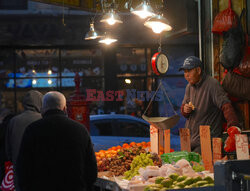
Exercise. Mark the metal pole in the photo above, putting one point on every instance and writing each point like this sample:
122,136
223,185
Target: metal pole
212,38
199,25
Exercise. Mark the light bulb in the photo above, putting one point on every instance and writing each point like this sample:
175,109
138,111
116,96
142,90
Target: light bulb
49,81
111,21
49,72
158,27
33,71
127,81
34,82
107,41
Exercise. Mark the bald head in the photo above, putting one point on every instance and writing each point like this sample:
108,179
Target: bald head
53,100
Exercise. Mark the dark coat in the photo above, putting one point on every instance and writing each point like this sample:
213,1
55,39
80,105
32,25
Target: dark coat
3,157
56,154
32,103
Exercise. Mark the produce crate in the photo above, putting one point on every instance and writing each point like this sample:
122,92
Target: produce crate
232,175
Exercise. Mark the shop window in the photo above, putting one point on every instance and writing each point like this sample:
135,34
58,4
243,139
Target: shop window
88,63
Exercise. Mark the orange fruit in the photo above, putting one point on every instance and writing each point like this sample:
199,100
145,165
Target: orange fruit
118,147
148,144
125,145
139,144
132,144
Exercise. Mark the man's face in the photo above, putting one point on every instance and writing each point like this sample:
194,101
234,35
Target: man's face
193,75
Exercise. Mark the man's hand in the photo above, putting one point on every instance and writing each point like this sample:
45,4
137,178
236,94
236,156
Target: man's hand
187,108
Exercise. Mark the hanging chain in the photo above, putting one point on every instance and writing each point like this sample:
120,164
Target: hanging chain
63,15
164,91
159,49
152,98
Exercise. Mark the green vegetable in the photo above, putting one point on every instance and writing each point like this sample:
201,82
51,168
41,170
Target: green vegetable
201,183
180,185
208,179
159,179
188,181
174,176
167,182
198,168
181,178
198,178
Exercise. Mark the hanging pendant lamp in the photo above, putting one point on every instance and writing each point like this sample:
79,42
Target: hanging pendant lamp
92,34
143,10
111,18
107,40
158,24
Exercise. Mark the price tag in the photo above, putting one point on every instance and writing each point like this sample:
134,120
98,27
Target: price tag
167,141
185,139
154,139
242,149
206,151
217,144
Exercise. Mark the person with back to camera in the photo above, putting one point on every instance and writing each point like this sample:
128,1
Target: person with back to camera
56,153
5,116
205,102
32,103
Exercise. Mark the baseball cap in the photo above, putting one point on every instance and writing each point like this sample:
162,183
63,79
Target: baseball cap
190,63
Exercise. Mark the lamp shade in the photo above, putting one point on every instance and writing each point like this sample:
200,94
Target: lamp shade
92,34
111,18
106,39
143,10
158,24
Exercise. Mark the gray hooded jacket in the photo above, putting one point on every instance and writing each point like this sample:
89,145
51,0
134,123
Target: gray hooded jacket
32,103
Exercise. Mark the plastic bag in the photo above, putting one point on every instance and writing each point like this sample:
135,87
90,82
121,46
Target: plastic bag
236,85
225,20
233,46
8,181
178,155
229,145
244,68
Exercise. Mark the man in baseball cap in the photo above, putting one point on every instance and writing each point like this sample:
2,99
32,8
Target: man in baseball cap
205,102
191,62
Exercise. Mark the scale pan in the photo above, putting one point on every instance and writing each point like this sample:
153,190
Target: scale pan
162,123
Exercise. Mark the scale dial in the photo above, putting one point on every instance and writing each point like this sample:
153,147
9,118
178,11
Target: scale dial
160,63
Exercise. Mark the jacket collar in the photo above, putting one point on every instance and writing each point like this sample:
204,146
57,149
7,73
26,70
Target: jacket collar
53,112
203,77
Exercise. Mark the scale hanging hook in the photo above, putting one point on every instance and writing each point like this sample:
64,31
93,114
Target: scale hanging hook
159,48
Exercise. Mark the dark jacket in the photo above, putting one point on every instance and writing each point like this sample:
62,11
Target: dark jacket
3,128
208,97
56,154
32,103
